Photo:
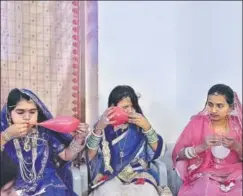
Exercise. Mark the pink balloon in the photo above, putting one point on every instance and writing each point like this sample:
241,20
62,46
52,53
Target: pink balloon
120,117
62,124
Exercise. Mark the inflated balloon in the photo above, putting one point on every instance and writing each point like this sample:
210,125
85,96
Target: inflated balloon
62,124
120,116
220,152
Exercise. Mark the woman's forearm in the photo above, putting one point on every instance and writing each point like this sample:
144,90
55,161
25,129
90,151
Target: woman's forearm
152,138
72,150
92,154
93,143
191,152
200,148
5,138
154,146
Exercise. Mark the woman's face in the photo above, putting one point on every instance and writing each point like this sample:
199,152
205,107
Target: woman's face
217,107
25,112
126,104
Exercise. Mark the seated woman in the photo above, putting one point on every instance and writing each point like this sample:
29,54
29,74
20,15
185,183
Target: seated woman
120,156
208,154
34,148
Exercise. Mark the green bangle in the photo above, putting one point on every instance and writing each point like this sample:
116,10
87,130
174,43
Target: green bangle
151,136
93,141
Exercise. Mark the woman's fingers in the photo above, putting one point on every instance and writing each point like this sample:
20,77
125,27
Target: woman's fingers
110,111
112,122
134,121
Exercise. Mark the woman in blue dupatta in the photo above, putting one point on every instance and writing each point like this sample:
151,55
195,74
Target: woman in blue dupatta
34,148
119,157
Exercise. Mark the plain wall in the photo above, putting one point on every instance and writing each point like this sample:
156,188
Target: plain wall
171,53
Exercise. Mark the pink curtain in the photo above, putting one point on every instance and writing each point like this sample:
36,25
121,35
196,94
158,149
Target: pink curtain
50,47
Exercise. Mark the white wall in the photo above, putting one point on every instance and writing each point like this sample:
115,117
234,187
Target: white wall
170,52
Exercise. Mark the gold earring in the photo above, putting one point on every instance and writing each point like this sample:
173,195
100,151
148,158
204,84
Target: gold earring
9,120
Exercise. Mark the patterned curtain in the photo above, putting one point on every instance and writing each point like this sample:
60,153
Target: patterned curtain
50,47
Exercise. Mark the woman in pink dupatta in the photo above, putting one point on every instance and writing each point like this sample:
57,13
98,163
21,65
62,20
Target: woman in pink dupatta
208,154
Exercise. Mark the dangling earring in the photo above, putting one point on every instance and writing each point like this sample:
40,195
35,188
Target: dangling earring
9,119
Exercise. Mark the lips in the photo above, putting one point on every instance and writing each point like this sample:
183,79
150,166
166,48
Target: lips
214,115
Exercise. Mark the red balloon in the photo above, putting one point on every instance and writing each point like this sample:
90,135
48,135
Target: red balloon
61,124
120,116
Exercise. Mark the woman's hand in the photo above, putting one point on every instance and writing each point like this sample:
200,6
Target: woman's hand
213,140
82,132
18,130
139,120
229,143
104,120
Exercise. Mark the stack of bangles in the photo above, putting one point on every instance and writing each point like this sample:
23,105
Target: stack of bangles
5,136
93,141
151,136
190,152
75,147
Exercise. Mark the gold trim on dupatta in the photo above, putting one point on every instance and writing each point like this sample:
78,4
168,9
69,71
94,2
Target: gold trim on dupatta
107,154
118,139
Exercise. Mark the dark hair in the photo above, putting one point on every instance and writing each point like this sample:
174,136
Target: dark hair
9,169
225,90
16,96
123,91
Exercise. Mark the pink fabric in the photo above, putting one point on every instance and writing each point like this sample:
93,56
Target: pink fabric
202,176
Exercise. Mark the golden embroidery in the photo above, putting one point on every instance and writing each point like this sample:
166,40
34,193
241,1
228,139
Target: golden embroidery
119,138
128,174
97,177
107,154
143,163
164,191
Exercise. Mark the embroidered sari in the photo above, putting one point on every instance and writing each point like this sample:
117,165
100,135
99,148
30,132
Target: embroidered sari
132,166
49,181
206,174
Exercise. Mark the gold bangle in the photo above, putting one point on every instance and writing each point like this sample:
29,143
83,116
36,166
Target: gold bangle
2,148
6,136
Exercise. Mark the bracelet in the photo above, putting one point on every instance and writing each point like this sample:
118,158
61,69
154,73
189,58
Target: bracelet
2,148
100,136
6,136
190,152
93,141
75,147
151,136
186,154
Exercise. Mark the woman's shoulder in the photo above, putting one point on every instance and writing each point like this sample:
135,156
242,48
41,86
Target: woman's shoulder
198,118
